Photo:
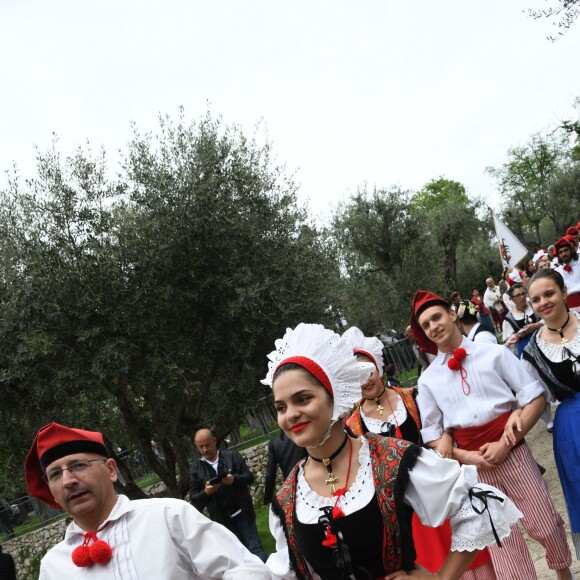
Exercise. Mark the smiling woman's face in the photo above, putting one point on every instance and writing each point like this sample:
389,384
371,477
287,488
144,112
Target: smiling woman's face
303,405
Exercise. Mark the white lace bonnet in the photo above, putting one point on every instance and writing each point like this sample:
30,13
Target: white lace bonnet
539,255
370,347
327,357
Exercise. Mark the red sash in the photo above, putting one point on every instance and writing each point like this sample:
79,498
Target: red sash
472,438
573,300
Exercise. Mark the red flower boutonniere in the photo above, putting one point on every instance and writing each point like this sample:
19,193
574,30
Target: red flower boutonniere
454,364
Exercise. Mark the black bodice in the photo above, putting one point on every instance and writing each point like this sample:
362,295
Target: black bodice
363,534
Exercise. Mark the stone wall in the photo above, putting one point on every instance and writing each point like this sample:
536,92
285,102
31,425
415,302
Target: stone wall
28,550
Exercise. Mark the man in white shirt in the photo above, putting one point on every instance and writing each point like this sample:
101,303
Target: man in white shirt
492,300
468,391
115,538
569,266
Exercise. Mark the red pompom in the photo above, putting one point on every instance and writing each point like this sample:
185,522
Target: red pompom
567,267
337,513
330,540
453,364
460,353
81,557
100,552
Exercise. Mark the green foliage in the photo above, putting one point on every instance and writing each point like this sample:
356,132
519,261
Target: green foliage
393,242
538,184
143,307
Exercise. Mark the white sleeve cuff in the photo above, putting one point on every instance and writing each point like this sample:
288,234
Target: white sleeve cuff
474,531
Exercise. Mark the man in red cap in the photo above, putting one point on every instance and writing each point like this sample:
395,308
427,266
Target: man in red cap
468,391
574,233
569,266
115,538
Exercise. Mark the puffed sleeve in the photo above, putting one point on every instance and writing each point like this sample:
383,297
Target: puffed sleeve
439,489
279,561
199,538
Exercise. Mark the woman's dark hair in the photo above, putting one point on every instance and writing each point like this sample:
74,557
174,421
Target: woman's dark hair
549,273
515,287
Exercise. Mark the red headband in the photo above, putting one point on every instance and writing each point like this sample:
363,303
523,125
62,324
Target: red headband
312,367
367,354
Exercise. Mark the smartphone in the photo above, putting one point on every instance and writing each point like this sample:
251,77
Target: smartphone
218,478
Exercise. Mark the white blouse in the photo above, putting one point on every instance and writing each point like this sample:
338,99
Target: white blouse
397,417
555,352
438,490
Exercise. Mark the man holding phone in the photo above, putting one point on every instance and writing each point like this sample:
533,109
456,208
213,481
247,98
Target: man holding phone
219,480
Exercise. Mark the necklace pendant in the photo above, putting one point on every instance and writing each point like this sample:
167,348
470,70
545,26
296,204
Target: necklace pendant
564,340
380,408
332,481
326,462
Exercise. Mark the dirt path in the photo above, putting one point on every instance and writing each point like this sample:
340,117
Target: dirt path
540,442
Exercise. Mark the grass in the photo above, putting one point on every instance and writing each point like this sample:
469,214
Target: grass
264,529
408,378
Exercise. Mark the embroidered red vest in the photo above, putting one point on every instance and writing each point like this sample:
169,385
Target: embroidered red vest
391,460
355,424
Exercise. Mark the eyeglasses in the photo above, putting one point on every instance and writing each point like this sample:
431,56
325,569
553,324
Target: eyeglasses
520,294
55,475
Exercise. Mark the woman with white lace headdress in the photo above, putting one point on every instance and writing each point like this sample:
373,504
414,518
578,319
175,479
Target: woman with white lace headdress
345,511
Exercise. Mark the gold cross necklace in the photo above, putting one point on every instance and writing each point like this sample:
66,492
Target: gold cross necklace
332,480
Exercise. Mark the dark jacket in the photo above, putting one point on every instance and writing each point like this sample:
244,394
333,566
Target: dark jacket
7,569
229,498
285,453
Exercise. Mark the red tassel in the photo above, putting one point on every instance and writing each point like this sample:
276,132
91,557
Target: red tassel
567,268
330,540
80,556
337,513
100,552
339,492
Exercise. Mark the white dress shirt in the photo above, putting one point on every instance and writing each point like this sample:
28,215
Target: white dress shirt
488,337
161,539
493,372
490,298
571,279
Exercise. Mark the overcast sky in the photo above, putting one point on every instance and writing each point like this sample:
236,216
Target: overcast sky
381,92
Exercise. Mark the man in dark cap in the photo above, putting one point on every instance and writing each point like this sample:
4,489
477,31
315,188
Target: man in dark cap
114,537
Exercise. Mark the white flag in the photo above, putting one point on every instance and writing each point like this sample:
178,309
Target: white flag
510,248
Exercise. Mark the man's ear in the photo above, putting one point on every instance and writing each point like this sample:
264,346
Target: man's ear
112,467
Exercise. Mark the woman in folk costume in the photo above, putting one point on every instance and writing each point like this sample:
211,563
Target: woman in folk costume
345,510
384,408
554,352
402,420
